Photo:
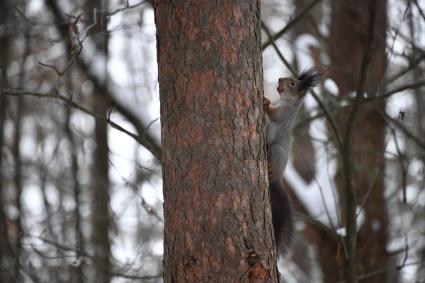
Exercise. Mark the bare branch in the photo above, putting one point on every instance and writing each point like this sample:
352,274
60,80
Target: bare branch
421,12
94,259
386,269
294,21
329,117
395,91
411,66
403,129
272,42
55,94
144,138
403,88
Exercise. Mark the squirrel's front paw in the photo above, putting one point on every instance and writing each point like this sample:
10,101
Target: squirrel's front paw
269,167
266,102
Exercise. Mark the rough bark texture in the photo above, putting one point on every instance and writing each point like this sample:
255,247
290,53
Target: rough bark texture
218,224
347,47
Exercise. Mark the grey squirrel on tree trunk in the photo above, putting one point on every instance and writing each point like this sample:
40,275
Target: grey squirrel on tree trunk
280,121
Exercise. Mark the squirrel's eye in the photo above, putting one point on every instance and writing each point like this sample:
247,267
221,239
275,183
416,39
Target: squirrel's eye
291,83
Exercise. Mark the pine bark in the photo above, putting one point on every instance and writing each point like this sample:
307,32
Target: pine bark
218,224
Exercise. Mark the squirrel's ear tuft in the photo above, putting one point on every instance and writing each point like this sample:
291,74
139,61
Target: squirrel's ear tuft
308,79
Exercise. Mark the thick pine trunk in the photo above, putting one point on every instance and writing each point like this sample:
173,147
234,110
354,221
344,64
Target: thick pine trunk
218,224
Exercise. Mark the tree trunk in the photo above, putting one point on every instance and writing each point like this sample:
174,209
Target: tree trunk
218,224
6,252
101,217
100,207
18,115
349,30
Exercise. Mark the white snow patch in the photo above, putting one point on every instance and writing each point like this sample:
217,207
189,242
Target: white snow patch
33,201
331,87
303,43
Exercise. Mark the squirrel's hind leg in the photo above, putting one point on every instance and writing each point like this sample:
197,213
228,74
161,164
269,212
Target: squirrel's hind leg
278,158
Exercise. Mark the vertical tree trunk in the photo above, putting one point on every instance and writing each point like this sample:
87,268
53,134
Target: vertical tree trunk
77,272
348,37
19,104
100,206
18,177
6,252
101,217
217,214
100,184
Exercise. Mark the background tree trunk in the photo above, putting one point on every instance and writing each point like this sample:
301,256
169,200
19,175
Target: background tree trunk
6,252
303,153
101,217
347,47
217,214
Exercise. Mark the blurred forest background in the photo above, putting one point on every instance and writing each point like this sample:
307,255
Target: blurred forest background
80,188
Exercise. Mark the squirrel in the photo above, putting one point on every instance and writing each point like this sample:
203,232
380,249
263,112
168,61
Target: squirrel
280,122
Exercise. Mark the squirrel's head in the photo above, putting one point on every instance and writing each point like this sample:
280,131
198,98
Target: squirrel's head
292,90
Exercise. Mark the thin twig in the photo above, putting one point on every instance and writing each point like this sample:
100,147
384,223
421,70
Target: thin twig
403,128
419,9
390,54
329,117
411,66
149,209
279,54
403,169
385,270
291,23
406,253
144,138
403,87
73,104
375,176
94,259
394,91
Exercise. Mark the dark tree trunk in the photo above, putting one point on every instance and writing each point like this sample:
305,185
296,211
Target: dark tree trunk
6,252
101,217
347,47
18,115
78,271
218,224
100,206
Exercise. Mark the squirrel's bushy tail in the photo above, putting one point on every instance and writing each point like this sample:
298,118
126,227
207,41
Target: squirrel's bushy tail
282,216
